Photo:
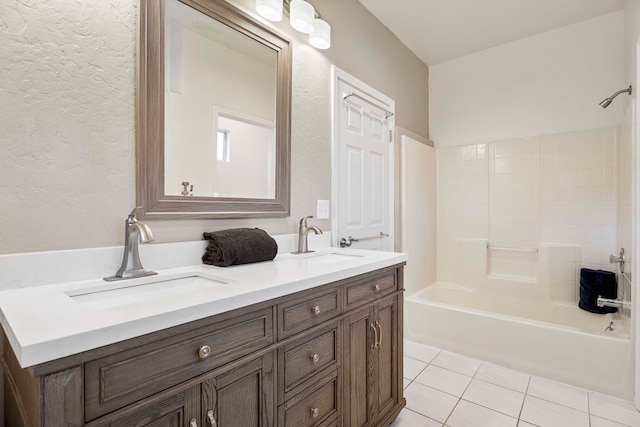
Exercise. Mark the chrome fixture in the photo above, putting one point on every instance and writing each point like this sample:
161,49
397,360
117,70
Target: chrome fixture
345,243
131,267
303,233
302,17
611,327
607,101
607,302
619,260
185,189
346,95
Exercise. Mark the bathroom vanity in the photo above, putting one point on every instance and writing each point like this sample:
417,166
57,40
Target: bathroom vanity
313,341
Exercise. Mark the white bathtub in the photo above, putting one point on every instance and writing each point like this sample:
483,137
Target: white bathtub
544,338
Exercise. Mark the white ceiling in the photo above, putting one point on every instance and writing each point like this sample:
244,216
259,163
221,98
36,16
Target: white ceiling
440,30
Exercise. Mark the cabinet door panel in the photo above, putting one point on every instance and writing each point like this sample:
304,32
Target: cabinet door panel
359,361
243,396
387,369
175,410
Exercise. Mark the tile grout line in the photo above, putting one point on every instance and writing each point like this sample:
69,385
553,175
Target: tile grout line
463,392
526,391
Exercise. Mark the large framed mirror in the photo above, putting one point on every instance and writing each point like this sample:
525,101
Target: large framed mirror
213,113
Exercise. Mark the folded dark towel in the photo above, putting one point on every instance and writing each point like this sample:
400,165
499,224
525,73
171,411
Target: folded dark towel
594,283
239,246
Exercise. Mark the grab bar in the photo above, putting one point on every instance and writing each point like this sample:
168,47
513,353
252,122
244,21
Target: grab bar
506,248
345,243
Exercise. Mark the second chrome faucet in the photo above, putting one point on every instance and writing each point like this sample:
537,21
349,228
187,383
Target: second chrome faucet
303,233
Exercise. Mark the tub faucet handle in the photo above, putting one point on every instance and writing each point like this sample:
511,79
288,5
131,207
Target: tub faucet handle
618,260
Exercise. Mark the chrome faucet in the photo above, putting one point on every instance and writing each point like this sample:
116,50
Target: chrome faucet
131,267
303,233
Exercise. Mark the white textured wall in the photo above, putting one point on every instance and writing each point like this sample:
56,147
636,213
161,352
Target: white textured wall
67,121
67,79
545,84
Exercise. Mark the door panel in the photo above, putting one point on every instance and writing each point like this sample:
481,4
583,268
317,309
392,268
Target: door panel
364,155
242,397
387,372
359,361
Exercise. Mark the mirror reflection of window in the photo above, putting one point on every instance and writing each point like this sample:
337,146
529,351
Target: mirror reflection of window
251,172
223,145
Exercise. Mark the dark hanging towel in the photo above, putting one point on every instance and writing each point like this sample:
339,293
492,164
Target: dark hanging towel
594,283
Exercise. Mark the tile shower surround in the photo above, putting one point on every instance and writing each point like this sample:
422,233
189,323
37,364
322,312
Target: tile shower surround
554,190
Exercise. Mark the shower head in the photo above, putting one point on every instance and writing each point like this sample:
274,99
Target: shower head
607,101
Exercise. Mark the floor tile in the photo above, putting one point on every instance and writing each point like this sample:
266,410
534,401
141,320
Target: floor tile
548,414
494,397
525,424
409,418
494,374
444,380
405,383
429,401
601,422
614,409
412,367
467,414
560,393
455,362
422,352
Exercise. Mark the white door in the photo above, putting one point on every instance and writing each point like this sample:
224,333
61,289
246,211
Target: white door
363,165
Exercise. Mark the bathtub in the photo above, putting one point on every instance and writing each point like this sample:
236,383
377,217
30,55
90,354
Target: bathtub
545,338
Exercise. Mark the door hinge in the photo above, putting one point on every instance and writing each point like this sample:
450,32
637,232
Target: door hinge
390,136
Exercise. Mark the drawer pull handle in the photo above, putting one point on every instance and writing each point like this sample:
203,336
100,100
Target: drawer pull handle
193,423
204,352
315,310
374,345
210,419
376,288
315,412
315,358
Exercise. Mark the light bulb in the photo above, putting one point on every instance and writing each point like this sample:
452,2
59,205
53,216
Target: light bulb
270,9
301,15
320,38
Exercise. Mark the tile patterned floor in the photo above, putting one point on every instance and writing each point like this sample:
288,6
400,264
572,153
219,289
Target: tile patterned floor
445,389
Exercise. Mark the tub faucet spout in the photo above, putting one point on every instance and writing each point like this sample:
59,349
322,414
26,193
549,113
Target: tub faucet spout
131,266
608,302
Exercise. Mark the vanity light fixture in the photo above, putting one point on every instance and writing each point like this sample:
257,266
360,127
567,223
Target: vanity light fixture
302,17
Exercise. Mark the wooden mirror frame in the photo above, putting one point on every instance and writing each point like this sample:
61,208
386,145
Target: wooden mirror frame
150,119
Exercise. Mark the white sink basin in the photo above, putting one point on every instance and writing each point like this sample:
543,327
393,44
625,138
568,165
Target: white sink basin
329,258
143,291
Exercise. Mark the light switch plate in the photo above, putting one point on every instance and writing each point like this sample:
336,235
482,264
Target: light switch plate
322,209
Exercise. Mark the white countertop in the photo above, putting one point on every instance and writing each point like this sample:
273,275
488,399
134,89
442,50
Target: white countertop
48,322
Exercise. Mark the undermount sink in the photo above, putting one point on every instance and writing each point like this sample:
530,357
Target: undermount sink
330,258
144,291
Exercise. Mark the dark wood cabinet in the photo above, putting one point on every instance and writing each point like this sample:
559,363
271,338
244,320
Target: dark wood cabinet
331,356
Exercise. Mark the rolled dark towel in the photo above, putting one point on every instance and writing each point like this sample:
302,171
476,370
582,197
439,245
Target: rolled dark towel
594,283
239,246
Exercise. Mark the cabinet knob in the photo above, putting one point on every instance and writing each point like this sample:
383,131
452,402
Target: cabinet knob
210,419
204,352
193,423
315,357
315,412
376,288
315,310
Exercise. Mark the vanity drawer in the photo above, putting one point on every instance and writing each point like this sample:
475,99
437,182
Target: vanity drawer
122,378
304,358
319,405
302,312
370,290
